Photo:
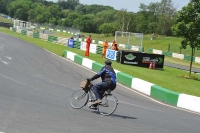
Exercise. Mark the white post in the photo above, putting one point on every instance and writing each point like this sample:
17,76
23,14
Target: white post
128,40
141,43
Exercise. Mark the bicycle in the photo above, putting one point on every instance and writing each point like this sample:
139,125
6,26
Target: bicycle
83,97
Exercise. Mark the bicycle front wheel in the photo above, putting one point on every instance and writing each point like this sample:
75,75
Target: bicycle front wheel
108,105
79,99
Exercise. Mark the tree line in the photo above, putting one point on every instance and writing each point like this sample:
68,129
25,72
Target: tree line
157,17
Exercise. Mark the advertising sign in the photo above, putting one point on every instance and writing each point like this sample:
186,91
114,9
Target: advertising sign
141,59
111,54
70,43
93,47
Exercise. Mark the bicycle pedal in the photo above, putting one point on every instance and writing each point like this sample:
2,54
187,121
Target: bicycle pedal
91,107
89,104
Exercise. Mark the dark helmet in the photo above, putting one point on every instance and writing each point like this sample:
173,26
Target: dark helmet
108,62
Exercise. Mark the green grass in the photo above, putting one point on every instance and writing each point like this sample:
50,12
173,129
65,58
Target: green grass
166,78
160,43
5,20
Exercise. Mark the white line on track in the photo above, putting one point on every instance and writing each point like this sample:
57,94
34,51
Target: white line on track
46,79
8,57
15,81
5,62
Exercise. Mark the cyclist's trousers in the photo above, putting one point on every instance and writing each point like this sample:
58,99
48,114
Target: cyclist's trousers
101,87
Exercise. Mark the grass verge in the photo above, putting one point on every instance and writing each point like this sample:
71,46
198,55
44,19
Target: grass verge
5,20
171,44
168,78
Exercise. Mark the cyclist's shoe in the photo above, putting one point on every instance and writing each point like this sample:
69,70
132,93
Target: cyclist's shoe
92,107
96,102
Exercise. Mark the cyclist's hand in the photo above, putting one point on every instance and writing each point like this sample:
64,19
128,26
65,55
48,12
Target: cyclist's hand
88,79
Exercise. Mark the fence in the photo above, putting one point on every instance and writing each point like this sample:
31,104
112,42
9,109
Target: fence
60,28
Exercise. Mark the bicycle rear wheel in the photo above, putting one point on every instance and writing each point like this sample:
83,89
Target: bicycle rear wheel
79,99
108,105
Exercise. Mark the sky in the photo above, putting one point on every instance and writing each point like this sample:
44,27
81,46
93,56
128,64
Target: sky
130,5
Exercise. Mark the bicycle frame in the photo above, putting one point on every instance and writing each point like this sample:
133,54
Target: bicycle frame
85,97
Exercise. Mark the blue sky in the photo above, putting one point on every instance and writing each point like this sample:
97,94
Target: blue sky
130,5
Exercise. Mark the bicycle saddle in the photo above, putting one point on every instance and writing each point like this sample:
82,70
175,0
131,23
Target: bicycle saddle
108,91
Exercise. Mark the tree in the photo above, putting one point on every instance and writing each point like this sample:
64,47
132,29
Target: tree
123,19
65,13
69,21
94,9
107,28
19,9
52,14
187,25
166,12
107,15
80,9
142,22
85,23
2,6
68,4
35,14
156,17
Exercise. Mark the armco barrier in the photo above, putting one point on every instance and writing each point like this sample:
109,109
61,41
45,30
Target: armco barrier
30,33
189,102
174,55
96,66
157,92
62,40
77,44
150,50
124,79
24,32
44,36
141,86
78,59
99,49
197,59
164,95
188,58
53,39
14,29
19,31
36,35
169,54
87,63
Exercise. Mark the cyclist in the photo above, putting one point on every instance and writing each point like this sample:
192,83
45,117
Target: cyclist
108,77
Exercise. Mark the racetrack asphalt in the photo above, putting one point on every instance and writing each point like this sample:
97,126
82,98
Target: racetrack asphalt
186,68
35,86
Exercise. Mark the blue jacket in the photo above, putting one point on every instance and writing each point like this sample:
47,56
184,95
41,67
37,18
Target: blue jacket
107,74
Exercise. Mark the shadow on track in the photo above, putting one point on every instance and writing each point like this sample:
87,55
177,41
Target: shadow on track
117,116
123,116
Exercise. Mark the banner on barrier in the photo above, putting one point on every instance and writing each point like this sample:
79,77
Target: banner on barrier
111,54
93,47
70,43
141,59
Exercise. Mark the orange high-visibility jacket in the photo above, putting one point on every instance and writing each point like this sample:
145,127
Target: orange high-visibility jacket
105,46
88,41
